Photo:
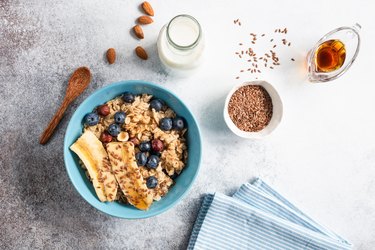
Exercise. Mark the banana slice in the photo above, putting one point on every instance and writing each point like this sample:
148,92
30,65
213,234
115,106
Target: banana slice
124,166
91,151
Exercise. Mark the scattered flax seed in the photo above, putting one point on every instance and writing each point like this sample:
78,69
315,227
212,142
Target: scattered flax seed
250,108
267,60
292,59
237,21
237,77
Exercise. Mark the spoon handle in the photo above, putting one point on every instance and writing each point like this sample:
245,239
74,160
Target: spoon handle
54,122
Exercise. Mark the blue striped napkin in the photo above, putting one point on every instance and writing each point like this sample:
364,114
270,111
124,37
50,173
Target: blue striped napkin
257,217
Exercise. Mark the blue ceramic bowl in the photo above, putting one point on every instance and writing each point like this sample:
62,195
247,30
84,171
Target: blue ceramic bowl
183,182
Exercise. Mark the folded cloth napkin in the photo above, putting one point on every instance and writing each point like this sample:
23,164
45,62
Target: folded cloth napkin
257,217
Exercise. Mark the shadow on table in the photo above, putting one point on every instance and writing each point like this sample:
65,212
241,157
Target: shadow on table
212,119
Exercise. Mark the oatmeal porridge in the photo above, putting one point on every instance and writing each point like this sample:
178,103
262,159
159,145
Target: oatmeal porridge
132,149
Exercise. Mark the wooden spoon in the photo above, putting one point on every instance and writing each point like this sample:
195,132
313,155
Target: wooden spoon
78,82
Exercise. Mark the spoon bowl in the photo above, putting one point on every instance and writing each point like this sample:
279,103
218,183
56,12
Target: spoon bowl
78,82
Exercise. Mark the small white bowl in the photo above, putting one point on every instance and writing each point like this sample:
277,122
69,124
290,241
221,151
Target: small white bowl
275,119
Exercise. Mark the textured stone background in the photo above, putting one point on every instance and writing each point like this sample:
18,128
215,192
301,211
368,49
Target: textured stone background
321,156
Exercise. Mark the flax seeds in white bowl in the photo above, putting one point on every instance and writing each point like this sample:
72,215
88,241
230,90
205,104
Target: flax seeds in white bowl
253,109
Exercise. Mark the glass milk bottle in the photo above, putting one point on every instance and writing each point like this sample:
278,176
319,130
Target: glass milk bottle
181,44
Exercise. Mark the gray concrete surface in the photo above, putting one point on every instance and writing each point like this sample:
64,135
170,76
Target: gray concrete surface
321,156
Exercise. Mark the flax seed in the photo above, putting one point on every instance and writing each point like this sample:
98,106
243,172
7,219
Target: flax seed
250,108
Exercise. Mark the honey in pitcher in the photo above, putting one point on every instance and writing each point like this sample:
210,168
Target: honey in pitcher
330,56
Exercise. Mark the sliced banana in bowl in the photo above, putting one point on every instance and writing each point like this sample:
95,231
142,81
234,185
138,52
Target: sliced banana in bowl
128,175
95,158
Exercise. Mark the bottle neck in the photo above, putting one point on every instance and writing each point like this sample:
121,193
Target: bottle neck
183,33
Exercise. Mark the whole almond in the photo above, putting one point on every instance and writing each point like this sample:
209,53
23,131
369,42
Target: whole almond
138,31
141,53
147,8
111,55
145,20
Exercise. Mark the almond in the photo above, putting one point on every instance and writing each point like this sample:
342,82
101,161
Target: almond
138,31
145,20
147,8
141,53
111,55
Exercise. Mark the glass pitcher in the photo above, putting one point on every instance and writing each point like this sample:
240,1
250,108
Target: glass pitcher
345,43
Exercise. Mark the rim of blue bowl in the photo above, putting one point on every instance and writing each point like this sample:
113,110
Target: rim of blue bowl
146,214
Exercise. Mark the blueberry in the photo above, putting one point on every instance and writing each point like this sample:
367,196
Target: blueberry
91,119
120,117
158,154
153,161
156,104
151,182
178,123
165,124
174,176
141,158
128,97
114,129
145,146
